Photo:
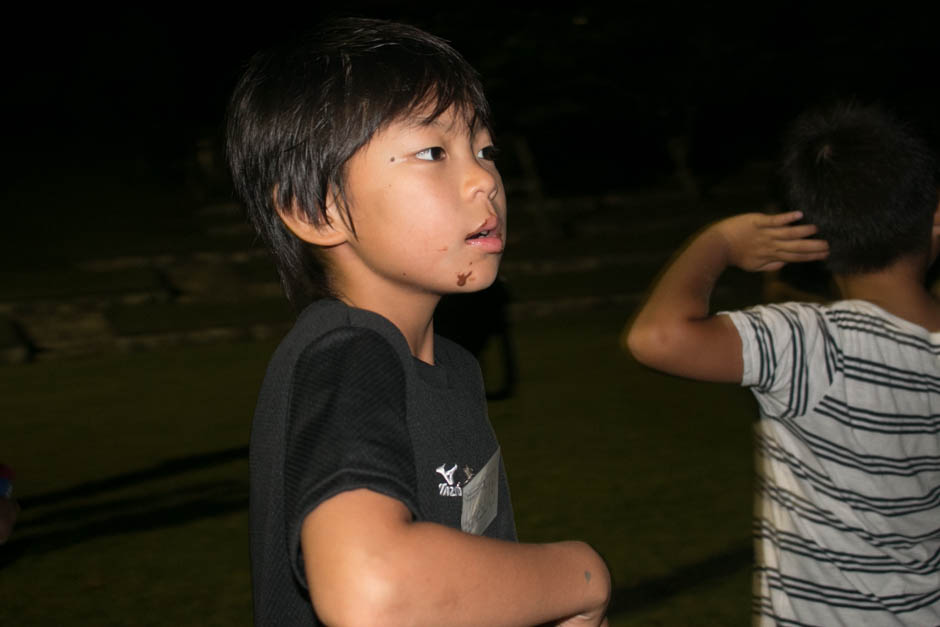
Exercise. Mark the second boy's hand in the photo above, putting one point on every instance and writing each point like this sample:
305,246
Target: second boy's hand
759,242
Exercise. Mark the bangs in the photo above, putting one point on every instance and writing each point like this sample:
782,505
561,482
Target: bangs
422,87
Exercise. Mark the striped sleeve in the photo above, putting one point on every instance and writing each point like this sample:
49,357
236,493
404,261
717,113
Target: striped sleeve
783,349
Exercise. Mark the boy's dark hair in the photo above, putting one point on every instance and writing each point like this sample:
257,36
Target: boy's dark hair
865,179
302,109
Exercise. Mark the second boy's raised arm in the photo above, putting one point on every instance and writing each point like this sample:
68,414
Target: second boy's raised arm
674,330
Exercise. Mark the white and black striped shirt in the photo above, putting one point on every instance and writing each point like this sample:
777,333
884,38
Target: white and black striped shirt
847,519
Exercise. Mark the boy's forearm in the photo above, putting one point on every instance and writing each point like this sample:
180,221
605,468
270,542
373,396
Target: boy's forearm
368,563
473,580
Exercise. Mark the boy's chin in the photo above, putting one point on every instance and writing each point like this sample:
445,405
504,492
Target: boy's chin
475,277
471,281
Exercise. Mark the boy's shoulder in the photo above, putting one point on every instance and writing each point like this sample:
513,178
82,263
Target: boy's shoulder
329,339
344,343
328,322
328,316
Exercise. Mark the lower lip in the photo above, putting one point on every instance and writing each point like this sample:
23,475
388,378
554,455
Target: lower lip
487,244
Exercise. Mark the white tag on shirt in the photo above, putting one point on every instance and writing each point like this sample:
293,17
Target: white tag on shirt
481,498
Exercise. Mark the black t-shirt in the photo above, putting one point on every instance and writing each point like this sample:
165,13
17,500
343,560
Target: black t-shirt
344,405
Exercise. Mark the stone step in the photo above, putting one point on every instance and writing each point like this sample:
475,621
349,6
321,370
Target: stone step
92,334
600,251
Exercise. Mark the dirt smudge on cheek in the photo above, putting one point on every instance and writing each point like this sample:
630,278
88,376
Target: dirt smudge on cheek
462,278
442,250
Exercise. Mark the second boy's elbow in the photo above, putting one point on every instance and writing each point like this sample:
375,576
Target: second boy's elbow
650,344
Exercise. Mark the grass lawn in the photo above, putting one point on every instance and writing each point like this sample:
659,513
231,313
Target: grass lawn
132,474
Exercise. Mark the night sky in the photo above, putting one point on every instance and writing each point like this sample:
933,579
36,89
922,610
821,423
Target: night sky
597,91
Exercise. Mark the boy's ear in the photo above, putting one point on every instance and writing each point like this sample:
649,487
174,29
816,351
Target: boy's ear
330,233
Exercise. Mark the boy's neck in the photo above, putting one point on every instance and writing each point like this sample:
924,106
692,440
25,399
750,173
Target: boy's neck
899,289
411,311
415,319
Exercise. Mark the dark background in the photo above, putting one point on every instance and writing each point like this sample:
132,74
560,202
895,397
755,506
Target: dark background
598,92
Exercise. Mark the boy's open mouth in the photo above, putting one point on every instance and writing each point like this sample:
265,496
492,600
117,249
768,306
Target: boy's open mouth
488,237
489,228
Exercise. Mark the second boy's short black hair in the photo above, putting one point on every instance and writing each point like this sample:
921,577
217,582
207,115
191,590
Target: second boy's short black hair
865,179
302,109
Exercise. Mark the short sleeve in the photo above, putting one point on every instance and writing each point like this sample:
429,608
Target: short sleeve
346,428
778,343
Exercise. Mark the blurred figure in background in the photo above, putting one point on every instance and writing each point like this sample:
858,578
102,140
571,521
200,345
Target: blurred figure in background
9,508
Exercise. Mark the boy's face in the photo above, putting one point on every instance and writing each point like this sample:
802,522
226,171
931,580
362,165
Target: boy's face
429,209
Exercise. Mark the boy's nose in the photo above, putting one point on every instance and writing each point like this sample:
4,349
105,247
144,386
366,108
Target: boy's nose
482,180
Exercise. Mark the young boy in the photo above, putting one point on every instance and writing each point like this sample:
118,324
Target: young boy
847,519
378,494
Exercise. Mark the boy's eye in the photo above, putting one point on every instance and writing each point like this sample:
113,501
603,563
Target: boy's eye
434,153
488,152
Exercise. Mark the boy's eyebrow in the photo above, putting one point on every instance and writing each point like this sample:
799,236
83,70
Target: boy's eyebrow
472,123
435,122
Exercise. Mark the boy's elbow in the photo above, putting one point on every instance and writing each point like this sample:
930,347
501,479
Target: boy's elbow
651,344
374,596
632,340
358,607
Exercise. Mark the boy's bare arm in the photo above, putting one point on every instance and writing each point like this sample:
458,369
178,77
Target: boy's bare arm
674,331
368,563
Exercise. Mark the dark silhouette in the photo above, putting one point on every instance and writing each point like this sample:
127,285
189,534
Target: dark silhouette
475,319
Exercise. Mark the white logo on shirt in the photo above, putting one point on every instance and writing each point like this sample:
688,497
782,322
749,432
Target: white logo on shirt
447,474
448,489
